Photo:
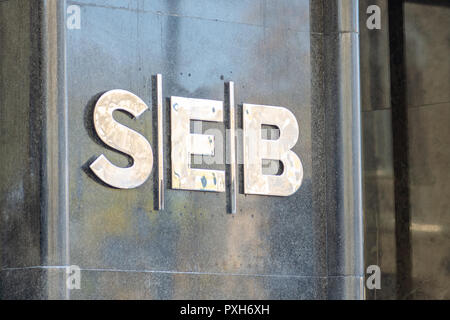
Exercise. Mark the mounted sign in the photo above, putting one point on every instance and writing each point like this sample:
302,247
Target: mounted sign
185,144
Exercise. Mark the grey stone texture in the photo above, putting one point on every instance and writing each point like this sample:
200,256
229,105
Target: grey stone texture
307,246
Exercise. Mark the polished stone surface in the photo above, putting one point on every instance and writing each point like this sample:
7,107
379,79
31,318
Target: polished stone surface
19,139
378,191
160,285
374,59
307,246
427,47
268,234
342,121
33,283
429,170
427,33
427,78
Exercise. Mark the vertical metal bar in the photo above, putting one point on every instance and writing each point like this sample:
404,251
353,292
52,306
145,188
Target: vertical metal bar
232,145
159,99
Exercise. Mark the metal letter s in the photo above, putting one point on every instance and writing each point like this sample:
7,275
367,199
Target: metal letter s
123,139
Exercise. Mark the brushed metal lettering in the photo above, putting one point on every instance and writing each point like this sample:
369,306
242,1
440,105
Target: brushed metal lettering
185,144
123,139
257,149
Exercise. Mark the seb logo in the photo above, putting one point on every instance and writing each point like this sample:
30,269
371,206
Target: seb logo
186,145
